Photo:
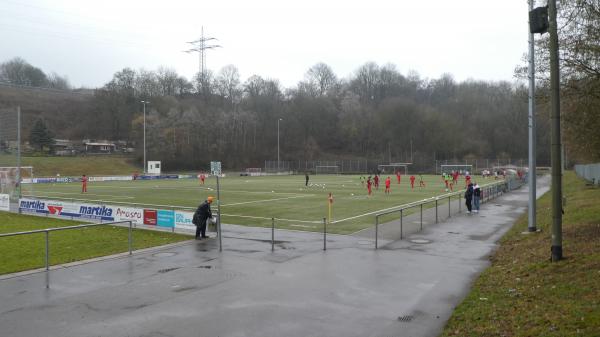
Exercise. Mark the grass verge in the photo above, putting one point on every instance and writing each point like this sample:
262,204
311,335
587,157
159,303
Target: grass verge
522,293
26,252
75,166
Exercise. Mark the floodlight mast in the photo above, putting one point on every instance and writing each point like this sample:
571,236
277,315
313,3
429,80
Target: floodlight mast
144,103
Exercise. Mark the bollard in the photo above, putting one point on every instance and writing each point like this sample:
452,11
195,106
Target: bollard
376,229
324,233
459,203
449,205
272,234
436,210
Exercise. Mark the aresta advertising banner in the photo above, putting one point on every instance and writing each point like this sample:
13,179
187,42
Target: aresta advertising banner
136,215
4,202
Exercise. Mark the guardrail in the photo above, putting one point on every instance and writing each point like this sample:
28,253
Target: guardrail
48,230
489,192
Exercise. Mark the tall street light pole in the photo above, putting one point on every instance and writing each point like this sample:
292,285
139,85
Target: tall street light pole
278,167
532,139
556,249
144,103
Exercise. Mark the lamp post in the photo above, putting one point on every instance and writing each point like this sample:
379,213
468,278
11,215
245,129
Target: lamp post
278,168
144,103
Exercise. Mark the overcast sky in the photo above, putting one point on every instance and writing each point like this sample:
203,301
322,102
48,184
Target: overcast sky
88,41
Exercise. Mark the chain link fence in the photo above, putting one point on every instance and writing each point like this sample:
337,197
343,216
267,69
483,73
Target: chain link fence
590,172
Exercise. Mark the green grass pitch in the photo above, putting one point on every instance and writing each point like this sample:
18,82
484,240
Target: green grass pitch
254,201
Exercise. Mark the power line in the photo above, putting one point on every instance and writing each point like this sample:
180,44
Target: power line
201,46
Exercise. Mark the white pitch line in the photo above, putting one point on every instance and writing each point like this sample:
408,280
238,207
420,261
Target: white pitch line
265,218
97,195
265,200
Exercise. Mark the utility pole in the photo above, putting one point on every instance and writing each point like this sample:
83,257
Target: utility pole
201,46
531,225
556,249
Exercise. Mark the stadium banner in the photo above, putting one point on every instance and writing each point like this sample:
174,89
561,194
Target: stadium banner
135,215
4,202
111,178
67,209
138,216
150,217
183,220
165,218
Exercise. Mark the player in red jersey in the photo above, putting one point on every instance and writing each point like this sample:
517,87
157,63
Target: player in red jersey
369,183
398,176
388,182
84,181
412,182
202,177
376,180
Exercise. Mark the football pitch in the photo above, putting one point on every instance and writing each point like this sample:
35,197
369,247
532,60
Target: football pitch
253,201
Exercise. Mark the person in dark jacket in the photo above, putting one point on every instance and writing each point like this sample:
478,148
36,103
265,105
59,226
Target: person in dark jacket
202,214
469,197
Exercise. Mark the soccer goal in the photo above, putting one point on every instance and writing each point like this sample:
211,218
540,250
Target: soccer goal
393,168
254,171
327,169
14,182
462,169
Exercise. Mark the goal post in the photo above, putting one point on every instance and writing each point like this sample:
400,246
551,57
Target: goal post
253,171
15,182
392,168
327,169
461,168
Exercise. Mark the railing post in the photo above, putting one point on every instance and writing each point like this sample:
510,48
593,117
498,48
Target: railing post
449,206
376,229
47,259
401,229
436,210
129,238
324,233
421,216
47,250
272,234
459,203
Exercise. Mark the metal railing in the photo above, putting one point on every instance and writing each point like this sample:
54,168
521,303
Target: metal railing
48,230
489,192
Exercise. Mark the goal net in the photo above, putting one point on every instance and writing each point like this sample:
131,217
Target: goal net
254,171
461,169
15,184
393,168
327,169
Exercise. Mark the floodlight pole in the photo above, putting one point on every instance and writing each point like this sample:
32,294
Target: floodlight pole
278,168
556,249
19,150
532,141
144,103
